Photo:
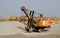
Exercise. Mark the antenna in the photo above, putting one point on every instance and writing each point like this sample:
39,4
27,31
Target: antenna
41,15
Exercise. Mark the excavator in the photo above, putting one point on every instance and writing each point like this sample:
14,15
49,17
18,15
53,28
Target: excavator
34,24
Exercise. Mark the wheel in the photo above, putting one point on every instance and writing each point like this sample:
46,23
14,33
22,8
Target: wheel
35,29
29,29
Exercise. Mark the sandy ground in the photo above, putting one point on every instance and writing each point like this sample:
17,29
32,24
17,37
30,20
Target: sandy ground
16,30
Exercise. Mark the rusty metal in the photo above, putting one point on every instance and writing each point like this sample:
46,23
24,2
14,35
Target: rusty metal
25,11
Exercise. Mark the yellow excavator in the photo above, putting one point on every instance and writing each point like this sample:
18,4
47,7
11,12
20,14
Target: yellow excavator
35,25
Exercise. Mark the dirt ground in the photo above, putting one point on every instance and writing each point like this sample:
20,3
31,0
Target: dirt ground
15,29
29,36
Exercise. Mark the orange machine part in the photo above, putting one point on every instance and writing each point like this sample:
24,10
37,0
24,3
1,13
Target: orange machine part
43,23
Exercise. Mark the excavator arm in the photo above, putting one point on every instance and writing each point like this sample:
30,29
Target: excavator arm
25,11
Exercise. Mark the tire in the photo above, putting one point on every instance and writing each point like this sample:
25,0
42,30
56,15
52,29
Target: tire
29,29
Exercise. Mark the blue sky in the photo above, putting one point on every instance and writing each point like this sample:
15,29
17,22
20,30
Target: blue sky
47,7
